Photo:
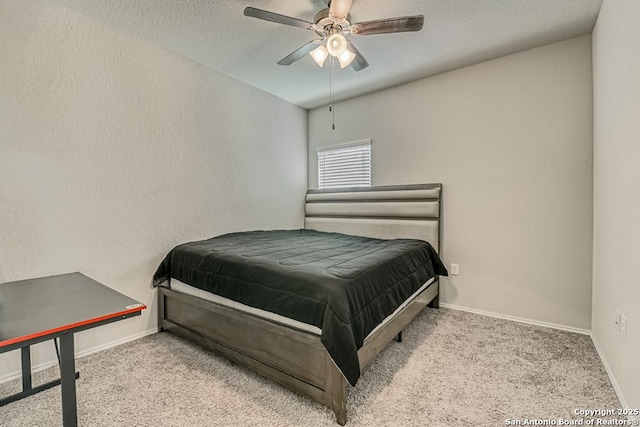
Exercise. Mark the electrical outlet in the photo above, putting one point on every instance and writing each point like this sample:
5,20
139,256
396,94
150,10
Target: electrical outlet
623,327
455,269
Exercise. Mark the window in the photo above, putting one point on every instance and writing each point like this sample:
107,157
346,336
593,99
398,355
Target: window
345,165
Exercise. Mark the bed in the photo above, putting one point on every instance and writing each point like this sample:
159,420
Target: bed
310,308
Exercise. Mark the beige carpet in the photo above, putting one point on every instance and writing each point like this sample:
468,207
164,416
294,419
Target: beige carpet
452,369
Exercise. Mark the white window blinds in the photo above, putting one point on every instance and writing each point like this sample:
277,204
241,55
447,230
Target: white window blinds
346,165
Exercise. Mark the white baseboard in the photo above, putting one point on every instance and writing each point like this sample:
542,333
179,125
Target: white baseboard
45,365
518,319
623,402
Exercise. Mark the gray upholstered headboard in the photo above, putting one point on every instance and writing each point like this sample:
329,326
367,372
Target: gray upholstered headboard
397,211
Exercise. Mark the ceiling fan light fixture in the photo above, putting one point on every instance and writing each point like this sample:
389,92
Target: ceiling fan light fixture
346,57
336,44
319,55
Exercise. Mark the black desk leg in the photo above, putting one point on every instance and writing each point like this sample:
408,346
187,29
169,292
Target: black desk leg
27,381
25,353
68,380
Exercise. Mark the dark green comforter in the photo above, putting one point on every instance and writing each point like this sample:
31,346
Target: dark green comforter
345,285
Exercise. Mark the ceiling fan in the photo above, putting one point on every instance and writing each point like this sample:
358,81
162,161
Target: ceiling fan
332,25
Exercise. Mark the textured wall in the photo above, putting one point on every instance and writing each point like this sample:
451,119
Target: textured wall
616,228
511,140
112,151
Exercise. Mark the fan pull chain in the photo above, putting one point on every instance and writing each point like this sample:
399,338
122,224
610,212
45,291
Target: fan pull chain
331,106
330,85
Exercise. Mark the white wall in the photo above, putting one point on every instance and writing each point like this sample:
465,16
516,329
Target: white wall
511,141
112,151
616,240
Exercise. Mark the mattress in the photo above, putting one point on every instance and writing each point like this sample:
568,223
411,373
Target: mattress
343,285
179,286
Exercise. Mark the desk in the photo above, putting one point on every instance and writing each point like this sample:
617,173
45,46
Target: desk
37,310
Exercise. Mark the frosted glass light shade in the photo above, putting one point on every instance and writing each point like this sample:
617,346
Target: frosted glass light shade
346,57
336,44
319,55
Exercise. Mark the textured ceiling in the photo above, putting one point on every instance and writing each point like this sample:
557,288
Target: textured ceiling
456,33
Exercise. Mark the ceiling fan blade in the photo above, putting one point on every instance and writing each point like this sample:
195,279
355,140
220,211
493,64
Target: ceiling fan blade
299,53
339,9
358,63
275,17
391,25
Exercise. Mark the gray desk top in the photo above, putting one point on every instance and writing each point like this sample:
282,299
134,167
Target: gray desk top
40,307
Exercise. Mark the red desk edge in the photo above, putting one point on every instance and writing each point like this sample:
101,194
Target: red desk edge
71,326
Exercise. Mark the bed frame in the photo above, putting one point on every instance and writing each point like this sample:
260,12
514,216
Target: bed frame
295,358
